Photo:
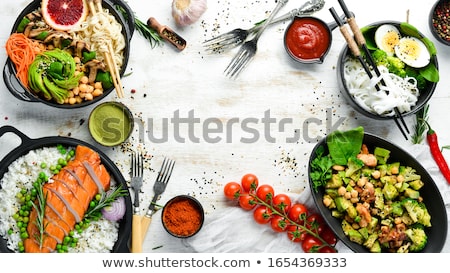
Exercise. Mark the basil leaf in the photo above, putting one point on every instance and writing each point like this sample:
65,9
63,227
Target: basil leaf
343,145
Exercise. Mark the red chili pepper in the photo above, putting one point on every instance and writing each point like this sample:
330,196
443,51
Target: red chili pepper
437,154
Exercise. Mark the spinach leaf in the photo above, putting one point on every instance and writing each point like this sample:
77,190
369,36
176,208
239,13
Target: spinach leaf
343,145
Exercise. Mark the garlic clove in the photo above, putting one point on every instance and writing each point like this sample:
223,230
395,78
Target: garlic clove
186,12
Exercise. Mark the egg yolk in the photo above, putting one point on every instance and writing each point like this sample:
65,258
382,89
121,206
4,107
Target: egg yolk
390,40
410,49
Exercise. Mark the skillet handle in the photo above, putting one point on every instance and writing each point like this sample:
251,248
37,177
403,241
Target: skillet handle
14,130
14,86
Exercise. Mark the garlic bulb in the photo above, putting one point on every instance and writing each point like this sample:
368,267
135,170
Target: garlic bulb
186,12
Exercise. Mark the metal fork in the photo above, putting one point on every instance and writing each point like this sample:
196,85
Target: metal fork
238,36
159,187
248,49
137,177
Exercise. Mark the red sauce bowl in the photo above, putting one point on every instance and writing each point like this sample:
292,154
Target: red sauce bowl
307,39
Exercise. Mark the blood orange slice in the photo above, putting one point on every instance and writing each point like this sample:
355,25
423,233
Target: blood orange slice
64,14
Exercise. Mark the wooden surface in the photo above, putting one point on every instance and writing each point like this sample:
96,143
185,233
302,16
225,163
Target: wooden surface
164,82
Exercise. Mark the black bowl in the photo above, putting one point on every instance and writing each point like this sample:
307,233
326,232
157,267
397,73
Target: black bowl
194,204
436,23
437,234
423,98
22,93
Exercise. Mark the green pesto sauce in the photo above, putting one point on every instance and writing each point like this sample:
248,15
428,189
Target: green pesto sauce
110,124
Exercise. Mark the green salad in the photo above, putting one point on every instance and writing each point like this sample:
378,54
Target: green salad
378,201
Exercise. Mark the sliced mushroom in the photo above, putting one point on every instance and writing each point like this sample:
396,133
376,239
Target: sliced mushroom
93,66
79,47
56,37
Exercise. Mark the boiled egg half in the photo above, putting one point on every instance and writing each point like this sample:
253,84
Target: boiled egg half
386,38
412,52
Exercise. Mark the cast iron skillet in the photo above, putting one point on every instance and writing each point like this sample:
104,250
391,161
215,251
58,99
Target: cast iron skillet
28,144
432,198
22,93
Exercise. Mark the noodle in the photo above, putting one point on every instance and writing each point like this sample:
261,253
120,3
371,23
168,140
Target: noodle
93,32
399,92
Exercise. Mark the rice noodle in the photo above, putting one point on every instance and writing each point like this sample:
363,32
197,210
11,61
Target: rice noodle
399,92
94,32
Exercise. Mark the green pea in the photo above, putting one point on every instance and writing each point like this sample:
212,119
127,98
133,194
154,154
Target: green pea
15,216
26,219
67,240
10,231
24,235
92,204
21,248
98,197
43,165
43,175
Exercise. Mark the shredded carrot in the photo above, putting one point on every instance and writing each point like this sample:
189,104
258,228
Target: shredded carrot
21,51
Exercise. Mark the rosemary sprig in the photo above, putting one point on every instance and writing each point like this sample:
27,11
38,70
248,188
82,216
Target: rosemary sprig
148,33
105,201
421,125
40,211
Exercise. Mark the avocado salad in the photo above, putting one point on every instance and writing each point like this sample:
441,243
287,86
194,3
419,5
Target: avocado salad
378,201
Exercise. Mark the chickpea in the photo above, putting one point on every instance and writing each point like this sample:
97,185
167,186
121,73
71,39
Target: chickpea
90,89
394,170
400,178
376,174
78,99
327,201
341,191
72,100
83,87
88,96
98,85
347,195
84,79
354,193
82,95
362,181
97,92
354,200
76,91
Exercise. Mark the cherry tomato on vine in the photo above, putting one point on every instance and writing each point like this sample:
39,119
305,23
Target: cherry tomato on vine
249,182
265,192
262,214
295,233
281,202
311,244
232,190
328,236
298,212
247,202
327,249
315,223
278,223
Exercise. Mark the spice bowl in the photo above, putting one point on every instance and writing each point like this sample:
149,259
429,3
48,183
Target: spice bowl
439,21
110,123
183,216
308,39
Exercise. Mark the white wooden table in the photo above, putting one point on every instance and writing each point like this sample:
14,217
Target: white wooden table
191,84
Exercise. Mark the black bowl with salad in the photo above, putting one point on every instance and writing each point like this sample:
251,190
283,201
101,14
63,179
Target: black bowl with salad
408,64
376,196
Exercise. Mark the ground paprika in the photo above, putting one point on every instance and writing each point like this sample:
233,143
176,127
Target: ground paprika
182,216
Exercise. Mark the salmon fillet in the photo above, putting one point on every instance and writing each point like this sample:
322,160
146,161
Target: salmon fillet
68,196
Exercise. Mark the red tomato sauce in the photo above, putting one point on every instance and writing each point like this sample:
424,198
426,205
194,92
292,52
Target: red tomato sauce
308,38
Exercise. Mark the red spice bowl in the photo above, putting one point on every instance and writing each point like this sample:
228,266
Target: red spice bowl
439,21
308,39
183,216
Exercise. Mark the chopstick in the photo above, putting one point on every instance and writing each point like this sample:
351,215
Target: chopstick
361,42
110,61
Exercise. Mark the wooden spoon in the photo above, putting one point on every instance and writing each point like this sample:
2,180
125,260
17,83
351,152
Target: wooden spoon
168,34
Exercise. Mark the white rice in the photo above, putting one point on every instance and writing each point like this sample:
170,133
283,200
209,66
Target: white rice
100,236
